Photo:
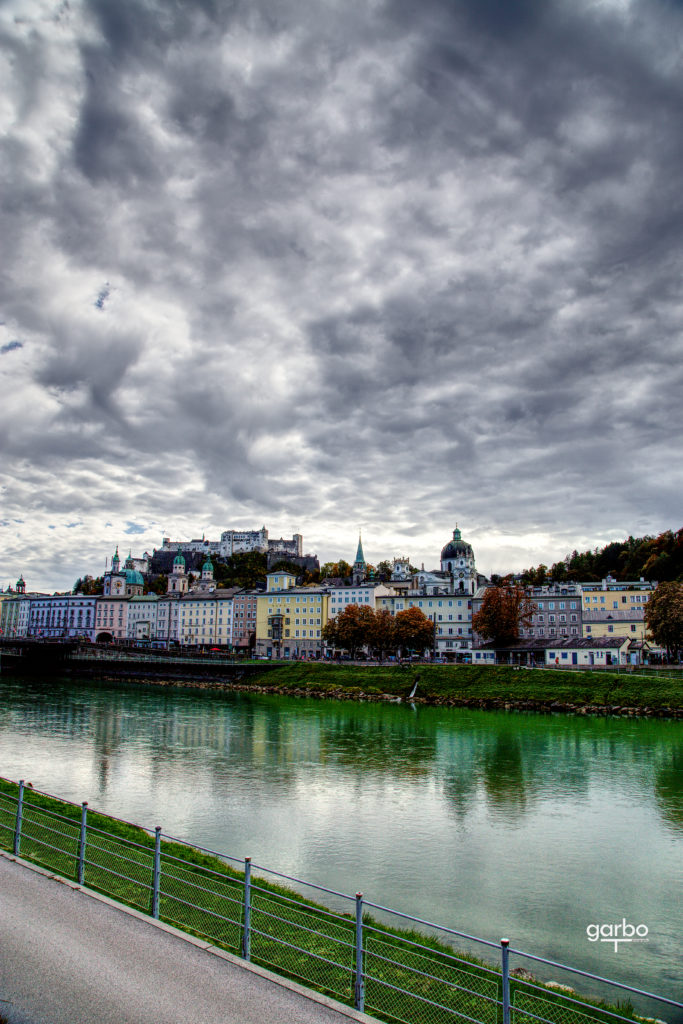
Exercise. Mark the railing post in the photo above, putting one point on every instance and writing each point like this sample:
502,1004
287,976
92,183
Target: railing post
156,881
505,954
81,843
359,987
246,931
17,824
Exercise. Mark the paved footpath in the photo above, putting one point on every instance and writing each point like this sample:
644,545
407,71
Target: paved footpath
70,957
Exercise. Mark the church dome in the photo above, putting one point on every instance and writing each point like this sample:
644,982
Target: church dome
134,578
208,566
179,561
457,548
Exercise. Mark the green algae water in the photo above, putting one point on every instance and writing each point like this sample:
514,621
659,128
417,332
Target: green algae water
529,826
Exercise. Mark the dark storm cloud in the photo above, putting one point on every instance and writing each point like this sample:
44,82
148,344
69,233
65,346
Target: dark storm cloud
349,250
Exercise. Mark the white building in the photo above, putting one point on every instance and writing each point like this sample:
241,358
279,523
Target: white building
364,594
142,617
62,615
444,595
235,542
205,619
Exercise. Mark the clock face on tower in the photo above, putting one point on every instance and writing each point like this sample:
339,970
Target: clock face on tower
462,575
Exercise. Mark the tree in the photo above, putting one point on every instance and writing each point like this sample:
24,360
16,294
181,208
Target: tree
414,631
243,569
664,617
157,585
504,611
383,634
335,570
351,629
89,585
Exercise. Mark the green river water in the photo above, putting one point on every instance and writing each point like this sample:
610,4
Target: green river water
530,826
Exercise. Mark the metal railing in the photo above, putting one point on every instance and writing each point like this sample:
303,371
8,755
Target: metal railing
390,964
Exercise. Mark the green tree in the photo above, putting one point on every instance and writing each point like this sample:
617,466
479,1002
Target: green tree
664,617
158,585
89,585
244,569
413,631
504,611
335,570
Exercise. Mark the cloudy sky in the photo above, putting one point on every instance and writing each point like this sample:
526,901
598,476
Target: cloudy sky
330,264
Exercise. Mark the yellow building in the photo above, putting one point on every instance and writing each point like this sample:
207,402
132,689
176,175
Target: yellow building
612,608
290,619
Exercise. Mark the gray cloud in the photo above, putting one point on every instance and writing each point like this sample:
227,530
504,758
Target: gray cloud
408,265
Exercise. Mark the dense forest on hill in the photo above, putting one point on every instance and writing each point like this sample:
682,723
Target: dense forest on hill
654,558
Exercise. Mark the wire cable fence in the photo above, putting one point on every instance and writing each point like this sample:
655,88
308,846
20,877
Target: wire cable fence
395,966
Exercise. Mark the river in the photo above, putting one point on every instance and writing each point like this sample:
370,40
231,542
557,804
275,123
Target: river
530,826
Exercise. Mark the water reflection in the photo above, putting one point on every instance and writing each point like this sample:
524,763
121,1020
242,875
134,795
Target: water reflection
668,788
490,822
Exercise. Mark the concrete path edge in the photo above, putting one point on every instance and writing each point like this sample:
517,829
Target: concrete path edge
222,954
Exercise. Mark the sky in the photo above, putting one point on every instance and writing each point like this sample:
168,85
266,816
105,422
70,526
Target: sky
338,265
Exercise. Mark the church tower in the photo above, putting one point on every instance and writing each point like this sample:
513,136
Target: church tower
457,559
178,581
207,583
360,569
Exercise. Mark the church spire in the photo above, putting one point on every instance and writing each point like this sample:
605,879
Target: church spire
360,569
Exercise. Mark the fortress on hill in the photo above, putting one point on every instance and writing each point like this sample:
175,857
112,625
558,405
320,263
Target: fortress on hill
233,542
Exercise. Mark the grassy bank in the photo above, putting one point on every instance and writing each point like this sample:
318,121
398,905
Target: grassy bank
474,686
409,976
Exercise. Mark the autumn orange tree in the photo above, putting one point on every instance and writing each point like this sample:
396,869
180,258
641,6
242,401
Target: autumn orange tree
504,611
351,629
383,634
414,631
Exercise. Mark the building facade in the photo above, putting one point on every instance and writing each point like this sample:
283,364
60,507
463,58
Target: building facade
63,616
244,606
205,619
111,623
290,619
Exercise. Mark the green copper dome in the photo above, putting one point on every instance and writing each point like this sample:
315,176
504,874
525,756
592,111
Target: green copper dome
457,548
179,560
